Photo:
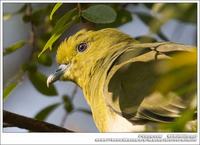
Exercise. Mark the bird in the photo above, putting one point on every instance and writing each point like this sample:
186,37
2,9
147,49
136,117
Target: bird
117,75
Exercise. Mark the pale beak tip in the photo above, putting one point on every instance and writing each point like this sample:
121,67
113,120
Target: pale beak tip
49,81
56,76
48,85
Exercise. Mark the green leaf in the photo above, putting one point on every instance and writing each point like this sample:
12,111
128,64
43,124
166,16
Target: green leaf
64,19
39,82
50,42
44,113
30,66
123,16
145,18
7,16
178,73
187,12
14,47
53,38
8,90
55,8
191,14
42,39
68,104
62,25
45,59
100,14
86,111
38,16
180,123
57,34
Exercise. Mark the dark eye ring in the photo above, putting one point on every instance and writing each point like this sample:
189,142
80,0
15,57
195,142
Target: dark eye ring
82,47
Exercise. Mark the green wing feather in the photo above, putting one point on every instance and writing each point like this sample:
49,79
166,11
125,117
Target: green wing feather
130,84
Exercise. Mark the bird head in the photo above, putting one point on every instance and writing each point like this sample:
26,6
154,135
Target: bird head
77,54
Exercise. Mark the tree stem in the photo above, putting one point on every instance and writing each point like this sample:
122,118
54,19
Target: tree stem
30,124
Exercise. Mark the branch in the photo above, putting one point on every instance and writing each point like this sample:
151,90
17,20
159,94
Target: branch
30,124
79,9
7,125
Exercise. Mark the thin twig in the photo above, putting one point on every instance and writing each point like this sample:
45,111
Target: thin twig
32,37
64,119
30,124
79,9
74,92
71,99
89,112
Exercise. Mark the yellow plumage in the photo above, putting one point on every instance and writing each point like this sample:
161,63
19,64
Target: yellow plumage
117,75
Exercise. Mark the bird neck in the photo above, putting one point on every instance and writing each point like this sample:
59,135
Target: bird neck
94,83
93,92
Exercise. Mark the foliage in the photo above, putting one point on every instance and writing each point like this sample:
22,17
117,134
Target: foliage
9,89
183,73
14,47
55,8
99,14
50,22
62,24
39,82
45,59
180,71
43,114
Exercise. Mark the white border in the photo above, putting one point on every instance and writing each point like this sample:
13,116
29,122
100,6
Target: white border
1,66
83,138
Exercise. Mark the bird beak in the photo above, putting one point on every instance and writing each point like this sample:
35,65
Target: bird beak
57,75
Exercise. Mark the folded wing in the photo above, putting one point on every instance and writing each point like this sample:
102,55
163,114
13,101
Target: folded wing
130,85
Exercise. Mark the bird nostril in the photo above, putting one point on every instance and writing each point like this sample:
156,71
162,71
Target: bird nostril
58,70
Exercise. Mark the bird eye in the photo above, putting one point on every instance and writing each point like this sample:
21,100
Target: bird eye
82,47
